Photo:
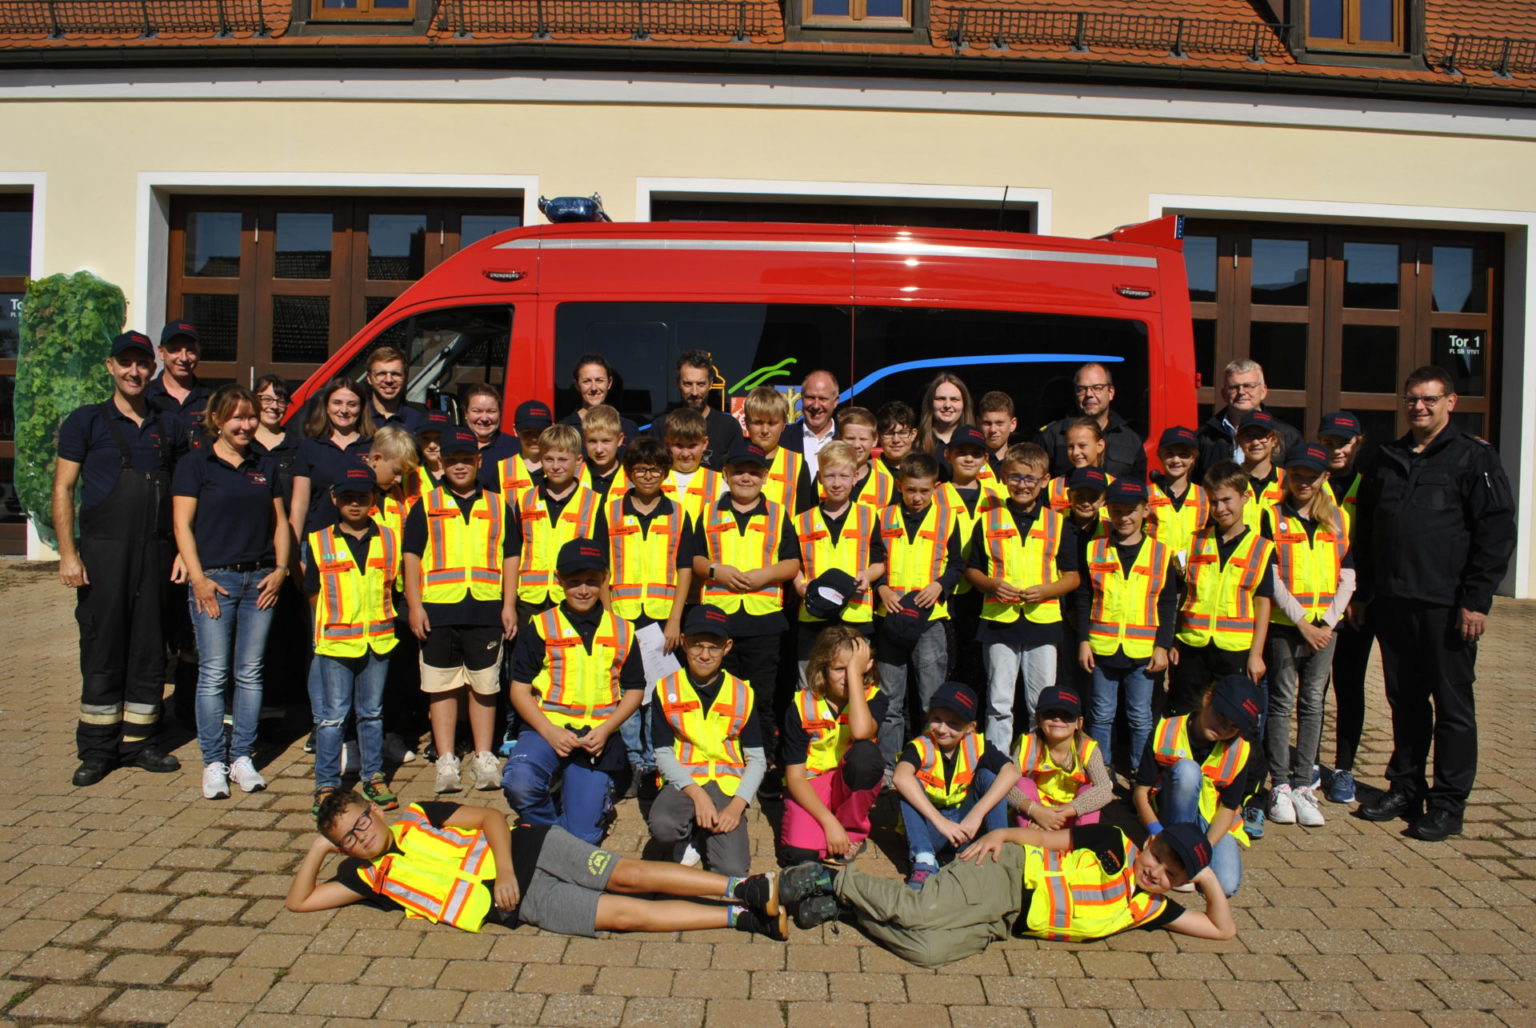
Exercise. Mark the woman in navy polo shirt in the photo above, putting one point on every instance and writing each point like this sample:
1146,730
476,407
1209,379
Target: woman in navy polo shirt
482,416
336,436
232,538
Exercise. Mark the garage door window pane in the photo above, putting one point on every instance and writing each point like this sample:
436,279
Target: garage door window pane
10,325
1200,264
476,227
396,246
1370,275
1369,359
303,248
213,244
1280,271
218,324
301,329
1461,277
1282,350
15,243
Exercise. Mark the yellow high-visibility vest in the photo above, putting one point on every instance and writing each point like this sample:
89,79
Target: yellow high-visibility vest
1022,562
708,743
1124,611
355,608
1174,528
827,729
642,561
1058,786
578,689
1309,566
513,475
930,769
1228,757
747,549
850,553
1218,599
911,565
784,477
438,874
702,493
1074,898
542,539
462,558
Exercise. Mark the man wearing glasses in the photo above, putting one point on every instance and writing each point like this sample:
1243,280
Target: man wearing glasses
815,429
1094,388
1243,390
1436,531
386,381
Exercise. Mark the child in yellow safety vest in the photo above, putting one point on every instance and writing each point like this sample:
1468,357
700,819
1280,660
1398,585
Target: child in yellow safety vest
577,676
689,484
1176,507
1023,560
1314,581
452,864
461,547
709,751
996,421
953,786
1342,436
923,564
1224,620
523,470
1259,438
1074,885
873,485
602,439
553,513
429,440
1085,449
789,480
896,422
969,496
1198,768
1127,607
842,553
745,550
650,552
1065,780
392,455
832,767
350,570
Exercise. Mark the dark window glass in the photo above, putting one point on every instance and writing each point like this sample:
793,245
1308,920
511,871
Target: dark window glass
475,227
753,344
1200,264
301,329
396,246
1031,357
1461,279
1325,19
1369,354
393,4
1281,347
213,244
7,406
1371,275
445,350
339,5
1463,352
1280,271
1471,422
10,503
1205,351
1296,417
1376,21
10,325
1380,426
833,8
303,247
846,210
15,244
886,8
218,323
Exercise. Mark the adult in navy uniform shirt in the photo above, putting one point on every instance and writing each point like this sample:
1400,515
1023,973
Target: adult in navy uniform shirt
1243,389
120,453
386,387
1094,389
593,379
176,389
1437,527
695,377
338,431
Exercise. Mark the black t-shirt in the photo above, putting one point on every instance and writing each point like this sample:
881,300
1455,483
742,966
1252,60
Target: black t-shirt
87,438
796,741
468,612
527,841
1108,843
1148,772
992,759
662,735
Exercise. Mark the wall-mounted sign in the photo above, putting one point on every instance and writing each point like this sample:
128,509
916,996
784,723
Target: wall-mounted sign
1463,353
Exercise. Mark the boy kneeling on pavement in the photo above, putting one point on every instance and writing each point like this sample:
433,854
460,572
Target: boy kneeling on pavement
464,866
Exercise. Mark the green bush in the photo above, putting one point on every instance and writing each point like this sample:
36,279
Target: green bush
67,326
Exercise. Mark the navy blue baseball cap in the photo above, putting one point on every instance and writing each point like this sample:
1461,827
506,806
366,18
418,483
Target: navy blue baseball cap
1340,423
1190,845
355,478
744,452
581,555
1238,698
1261,419
829,592
1178,435
1126,490
458,440
1059,697
179,328
907,625
1310,456
436,421
1088,478
955,696
532,414
967,435
133,341
707,619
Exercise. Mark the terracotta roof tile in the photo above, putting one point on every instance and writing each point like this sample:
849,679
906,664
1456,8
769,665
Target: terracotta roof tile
1489,42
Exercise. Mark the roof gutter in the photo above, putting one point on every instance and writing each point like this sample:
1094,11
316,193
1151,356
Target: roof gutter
533,55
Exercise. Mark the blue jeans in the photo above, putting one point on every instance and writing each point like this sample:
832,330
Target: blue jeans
1178,802
1107,683
237,636
925,846
339,686
586,793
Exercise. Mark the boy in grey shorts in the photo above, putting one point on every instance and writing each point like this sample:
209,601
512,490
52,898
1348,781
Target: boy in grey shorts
463,865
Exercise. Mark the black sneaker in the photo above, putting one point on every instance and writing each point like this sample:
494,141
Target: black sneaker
804,881
92,770
760,893
817,910
774,926
151,758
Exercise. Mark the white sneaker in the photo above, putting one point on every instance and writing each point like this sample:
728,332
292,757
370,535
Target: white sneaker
1281,810
215,782
691,857
1307,813
246,776
448,774
484,771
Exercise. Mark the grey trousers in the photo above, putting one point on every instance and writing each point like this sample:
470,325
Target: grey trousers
929,661
959,911
671,822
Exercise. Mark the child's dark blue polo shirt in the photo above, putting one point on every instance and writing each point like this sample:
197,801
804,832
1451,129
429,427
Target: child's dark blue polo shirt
323,463
408,418
86,439
234,518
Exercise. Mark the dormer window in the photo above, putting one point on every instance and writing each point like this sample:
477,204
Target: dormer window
1358,25
857,14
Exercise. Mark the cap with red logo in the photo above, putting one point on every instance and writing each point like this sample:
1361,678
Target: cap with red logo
1190,845
581,555
1059,699
532,414
1127,491
458,440
1259,419
1340,423
132,341
1238,698
354,478
955,696
179,328
743,452
967,435
1178,435
436,421
1312,457
707,619
1088,478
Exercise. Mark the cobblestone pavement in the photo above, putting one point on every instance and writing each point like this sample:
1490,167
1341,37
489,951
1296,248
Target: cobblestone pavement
137,901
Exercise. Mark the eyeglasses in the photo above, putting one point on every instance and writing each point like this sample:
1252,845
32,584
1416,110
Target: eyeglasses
273,402
702,647
1244,387
645,471
1097,388
1426,401
355,834
1023,479
388,374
